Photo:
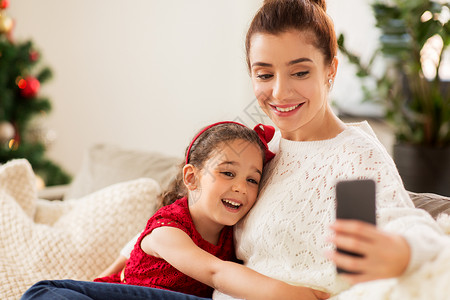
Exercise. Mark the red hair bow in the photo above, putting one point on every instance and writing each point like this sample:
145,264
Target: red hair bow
265,133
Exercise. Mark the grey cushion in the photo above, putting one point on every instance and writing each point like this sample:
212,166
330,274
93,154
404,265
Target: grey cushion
434,204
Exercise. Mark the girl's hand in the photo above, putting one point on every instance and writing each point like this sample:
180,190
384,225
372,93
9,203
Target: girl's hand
384,255
300,293
319,295
115,267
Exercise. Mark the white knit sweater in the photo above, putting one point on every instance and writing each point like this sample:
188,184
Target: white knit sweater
284,235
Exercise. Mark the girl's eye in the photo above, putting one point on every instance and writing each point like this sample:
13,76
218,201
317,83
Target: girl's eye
301,74
252,181
264,76
228,174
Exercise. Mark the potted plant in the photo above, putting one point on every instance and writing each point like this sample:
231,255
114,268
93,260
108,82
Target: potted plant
415,35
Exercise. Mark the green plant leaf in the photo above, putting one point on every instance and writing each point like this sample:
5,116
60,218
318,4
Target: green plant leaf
418,108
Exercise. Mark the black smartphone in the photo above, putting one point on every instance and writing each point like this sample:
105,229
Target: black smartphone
355,199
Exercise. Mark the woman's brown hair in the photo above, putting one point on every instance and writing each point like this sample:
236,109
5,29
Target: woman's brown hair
277,16
201,151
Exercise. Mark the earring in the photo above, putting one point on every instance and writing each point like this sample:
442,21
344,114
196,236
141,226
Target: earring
330,81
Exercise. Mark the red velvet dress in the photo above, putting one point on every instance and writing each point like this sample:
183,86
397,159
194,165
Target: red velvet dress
146,270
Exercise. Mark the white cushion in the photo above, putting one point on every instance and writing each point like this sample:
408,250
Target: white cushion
104,165
81,237
18,173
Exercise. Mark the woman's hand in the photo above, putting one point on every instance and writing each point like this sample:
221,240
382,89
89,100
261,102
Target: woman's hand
385,255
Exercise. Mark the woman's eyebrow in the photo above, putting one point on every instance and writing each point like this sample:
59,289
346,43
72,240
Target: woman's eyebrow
292,62
261,64
299,60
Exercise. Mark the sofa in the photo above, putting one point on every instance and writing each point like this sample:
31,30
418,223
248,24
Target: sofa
76,231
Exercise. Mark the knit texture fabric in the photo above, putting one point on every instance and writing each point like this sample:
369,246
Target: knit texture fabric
75,239
147,270
284,235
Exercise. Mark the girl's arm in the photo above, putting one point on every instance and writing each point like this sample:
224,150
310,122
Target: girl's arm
121,260
178,249
115,267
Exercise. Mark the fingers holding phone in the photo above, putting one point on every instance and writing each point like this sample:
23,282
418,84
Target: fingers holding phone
354,243
381,254
364,252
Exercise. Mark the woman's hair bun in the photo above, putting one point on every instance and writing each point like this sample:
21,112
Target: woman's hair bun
321,3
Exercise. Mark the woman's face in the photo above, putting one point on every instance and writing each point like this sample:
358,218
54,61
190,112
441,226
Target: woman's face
291,82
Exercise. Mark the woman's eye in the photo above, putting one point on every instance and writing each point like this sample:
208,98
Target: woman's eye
264,76
301,74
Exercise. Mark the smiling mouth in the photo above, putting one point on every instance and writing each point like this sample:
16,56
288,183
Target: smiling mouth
231,204
286,109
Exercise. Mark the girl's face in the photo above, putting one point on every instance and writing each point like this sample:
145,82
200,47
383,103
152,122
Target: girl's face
291,82
228,184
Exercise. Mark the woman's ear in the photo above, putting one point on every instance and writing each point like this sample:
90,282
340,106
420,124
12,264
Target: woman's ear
333,68
190,177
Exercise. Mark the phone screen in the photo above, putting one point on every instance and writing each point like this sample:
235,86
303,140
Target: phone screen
355,199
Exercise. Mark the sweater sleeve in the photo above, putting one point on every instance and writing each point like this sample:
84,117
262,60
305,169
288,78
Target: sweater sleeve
396,212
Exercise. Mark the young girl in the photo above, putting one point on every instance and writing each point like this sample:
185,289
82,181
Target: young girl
187,245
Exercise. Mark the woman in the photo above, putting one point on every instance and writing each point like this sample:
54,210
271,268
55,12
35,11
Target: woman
291,232
292,62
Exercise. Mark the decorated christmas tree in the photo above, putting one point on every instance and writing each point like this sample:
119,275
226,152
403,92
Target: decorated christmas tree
21,106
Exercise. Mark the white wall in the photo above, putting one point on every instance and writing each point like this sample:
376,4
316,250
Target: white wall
146,74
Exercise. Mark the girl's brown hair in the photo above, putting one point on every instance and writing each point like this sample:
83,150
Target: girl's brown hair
277,16
201,150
